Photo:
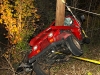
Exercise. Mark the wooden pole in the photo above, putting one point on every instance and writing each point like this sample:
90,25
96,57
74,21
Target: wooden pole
60,13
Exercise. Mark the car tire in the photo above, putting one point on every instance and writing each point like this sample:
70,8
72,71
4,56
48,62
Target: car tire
38,70
74,45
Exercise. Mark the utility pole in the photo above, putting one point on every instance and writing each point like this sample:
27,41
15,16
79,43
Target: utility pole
60,12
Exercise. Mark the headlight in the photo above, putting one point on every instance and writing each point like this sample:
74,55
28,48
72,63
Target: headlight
68,21
50,35
35,47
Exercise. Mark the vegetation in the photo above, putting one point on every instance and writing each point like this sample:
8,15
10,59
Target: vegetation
19,17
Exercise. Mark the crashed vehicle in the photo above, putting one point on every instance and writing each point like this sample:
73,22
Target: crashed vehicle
55,44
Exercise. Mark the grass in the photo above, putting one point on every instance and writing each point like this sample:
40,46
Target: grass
78,67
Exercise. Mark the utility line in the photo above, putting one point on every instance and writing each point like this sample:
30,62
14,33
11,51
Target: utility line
83,10
80,9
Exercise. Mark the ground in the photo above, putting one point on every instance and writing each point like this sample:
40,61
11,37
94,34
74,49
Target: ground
73,66
78,67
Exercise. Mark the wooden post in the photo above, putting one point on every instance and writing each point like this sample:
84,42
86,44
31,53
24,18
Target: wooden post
60,13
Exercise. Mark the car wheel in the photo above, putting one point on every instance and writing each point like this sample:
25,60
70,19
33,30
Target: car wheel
74,45
40,69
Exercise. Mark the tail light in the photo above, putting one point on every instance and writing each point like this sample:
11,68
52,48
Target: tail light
35,47
50,37
35,51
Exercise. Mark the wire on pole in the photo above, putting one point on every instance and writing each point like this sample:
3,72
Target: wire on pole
83,10
80,9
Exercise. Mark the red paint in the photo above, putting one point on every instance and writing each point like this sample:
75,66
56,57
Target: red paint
42,40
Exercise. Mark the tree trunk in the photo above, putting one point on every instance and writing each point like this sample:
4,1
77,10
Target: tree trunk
60,13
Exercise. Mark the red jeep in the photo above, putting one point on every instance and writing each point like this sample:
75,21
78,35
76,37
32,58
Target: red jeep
70,34
55,43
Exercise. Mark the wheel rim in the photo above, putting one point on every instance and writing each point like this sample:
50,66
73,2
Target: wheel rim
76,43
